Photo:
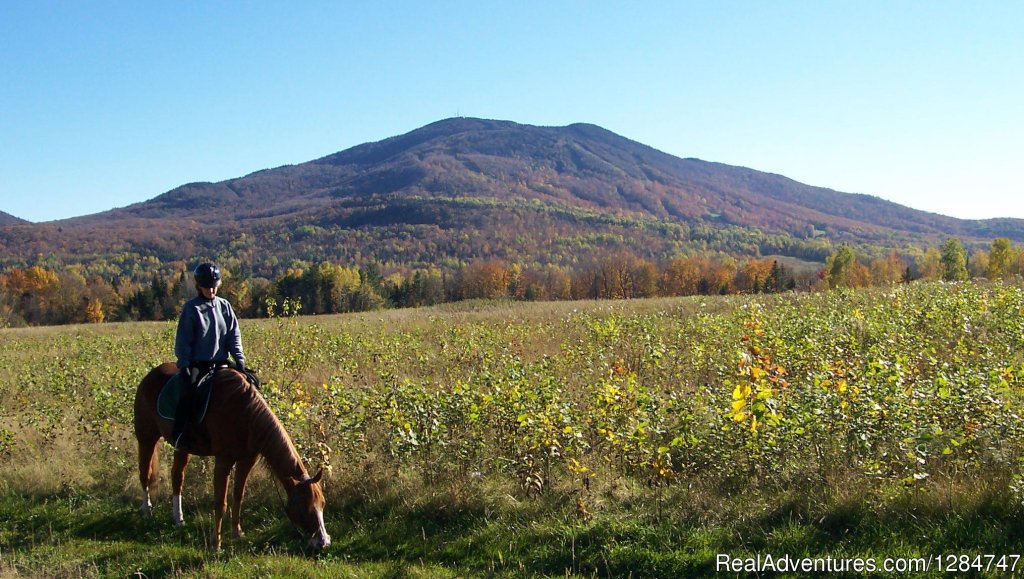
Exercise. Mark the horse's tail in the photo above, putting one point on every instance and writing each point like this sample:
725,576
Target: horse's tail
147,427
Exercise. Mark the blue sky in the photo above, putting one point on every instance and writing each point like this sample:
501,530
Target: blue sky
103,104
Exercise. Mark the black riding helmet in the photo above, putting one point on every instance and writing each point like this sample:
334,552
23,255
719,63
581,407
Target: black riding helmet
207,275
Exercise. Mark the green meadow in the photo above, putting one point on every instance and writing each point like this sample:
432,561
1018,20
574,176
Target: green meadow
641,438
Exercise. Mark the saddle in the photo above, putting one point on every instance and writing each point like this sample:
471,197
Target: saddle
167,401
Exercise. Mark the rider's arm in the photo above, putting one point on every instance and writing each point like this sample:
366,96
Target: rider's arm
183,340
234,337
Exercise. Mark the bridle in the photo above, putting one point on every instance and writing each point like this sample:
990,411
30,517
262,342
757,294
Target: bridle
298,530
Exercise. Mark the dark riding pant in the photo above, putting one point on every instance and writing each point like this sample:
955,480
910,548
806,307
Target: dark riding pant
187,401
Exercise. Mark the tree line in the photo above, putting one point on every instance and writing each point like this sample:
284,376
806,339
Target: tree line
45,295
950,263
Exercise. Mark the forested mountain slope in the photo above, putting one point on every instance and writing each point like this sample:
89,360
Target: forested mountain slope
463,189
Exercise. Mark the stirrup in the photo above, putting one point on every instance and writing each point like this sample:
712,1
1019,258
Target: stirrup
180,443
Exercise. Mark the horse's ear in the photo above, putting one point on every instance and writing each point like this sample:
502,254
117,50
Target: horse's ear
316,479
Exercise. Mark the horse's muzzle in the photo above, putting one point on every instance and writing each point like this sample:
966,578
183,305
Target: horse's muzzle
320,542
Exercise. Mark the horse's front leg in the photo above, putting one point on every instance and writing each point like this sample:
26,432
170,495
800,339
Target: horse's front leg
181,459
221,470
242,470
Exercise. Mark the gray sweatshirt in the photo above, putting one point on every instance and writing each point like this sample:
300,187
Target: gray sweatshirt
207,332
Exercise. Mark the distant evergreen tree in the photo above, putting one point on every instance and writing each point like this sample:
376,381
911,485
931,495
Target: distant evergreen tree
369,275
704,286
779,280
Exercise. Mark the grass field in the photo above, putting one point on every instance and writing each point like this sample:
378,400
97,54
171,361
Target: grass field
637,438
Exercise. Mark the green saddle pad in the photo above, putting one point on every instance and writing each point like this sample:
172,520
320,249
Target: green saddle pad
167,401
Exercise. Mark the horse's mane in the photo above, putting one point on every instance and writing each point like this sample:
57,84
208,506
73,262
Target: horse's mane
266,432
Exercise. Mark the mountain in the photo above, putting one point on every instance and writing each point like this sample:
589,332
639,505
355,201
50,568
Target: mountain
465,188
8,219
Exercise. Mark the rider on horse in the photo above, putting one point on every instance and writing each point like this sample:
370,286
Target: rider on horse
207,332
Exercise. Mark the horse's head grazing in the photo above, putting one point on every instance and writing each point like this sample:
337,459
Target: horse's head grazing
306,510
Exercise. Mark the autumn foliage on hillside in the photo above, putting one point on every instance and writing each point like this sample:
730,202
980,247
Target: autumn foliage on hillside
465,190
40,295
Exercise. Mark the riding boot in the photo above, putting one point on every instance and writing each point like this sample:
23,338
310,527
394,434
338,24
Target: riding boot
183,414
180,437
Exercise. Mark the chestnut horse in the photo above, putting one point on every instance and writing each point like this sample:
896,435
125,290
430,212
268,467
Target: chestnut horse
241,428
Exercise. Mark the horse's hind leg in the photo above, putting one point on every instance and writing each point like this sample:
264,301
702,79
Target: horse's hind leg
181,459
148,453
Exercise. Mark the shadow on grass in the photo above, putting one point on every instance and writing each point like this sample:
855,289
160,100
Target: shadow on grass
537,536
983,520
386,534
